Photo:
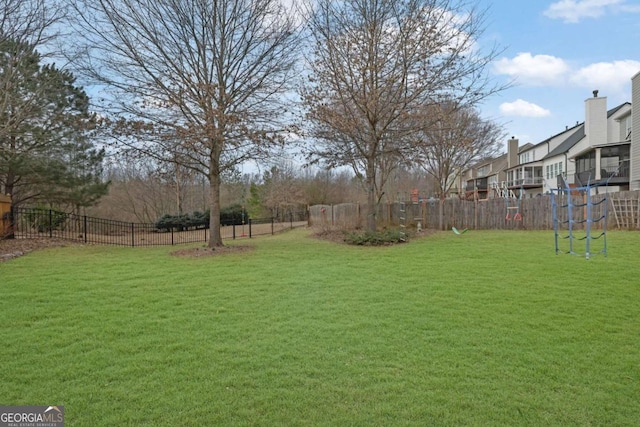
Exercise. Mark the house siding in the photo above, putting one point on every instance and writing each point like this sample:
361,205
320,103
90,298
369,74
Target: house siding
596,120
634,183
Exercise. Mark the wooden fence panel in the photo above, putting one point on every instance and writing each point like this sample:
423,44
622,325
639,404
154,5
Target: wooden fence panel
5,212
536,213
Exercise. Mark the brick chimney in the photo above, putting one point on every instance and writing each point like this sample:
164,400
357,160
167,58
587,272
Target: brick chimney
634,179
512,152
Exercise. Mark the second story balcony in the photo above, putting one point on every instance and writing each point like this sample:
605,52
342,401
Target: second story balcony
535,181
480,184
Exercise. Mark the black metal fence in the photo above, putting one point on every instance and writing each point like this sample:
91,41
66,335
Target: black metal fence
29,223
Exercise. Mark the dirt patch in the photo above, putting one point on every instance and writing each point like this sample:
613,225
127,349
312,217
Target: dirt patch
208,252
14,248
334,236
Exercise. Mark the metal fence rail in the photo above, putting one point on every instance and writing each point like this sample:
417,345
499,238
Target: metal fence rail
29,223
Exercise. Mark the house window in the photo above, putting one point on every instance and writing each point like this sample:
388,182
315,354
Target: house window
585,168
586,163
553,170
525,157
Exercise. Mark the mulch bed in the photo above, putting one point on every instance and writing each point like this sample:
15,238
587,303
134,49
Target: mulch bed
14,248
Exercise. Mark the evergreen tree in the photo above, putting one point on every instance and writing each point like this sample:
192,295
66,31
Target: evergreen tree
45,153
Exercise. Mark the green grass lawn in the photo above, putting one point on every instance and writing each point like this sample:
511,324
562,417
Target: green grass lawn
487,329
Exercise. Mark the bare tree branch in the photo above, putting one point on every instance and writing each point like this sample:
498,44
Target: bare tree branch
375,66
208,75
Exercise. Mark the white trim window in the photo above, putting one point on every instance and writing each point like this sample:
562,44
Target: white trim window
553,170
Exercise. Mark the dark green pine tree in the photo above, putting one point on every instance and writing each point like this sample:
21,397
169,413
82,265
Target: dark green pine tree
46,155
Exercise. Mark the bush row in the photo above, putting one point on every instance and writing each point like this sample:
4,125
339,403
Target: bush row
230,215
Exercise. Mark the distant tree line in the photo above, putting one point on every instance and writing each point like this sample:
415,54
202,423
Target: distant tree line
376,96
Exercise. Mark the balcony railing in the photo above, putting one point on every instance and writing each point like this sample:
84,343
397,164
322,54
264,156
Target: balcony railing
479,184
616,174
532,181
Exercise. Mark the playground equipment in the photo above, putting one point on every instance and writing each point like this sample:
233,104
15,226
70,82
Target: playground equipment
518,215
575,201
402,207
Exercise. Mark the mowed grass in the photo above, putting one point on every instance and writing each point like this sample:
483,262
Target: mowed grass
487,328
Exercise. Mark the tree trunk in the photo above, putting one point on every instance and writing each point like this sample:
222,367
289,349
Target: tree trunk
215,237
371,203
9,184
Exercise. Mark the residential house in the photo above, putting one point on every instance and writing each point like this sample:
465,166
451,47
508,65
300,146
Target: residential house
601,151
480,181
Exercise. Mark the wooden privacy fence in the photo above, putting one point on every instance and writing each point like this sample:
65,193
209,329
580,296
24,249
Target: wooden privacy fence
622,211
5,215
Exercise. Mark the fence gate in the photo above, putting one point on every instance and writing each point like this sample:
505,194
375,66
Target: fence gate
5,212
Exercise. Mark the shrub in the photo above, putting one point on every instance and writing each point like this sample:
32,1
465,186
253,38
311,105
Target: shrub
183,222
233,214
46,219
378,238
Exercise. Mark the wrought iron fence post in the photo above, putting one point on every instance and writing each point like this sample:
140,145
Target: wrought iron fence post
171,236
250,222
85,228
133,240
50,223
273,221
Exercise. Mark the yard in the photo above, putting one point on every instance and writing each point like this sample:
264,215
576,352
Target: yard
487,328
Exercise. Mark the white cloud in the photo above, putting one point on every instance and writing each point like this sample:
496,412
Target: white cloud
538,70
523,108
630,8
608,77
544,70
572,11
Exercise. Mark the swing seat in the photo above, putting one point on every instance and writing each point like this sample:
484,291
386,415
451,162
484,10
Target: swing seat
517,217
458,232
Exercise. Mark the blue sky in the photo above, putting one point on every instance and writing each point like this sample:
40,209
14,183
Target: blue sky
556,53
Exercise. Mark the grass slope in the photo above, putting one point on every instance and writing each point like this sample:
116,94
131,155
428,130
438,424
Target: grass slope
489,328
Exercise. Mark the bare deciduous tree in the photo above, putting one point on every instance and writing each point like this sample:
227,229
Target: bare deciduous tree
29,21
210,74
282,191
454,140
375,66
